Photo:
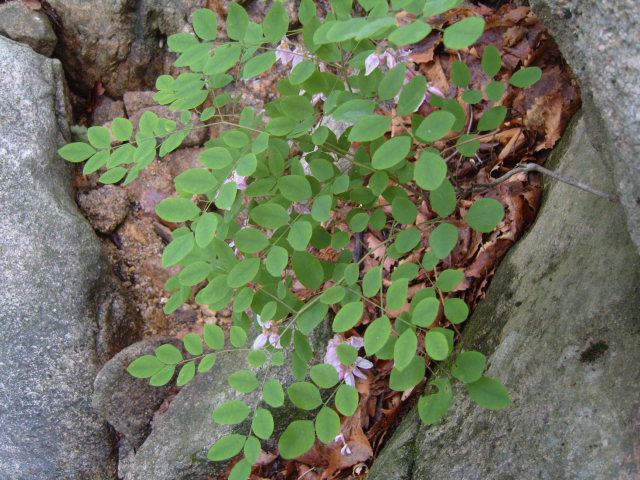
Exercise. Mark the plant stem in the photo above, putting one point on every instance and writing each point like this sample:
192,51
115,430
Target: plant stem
534,167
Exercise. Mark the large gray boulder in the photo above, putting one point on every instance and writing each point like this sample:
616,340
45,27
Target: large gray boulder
561,325
601,42
61,316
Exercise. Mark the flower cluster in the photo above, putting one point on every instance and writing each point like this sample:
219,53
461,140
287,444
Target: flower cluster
346,372
389,57
269,333
345,450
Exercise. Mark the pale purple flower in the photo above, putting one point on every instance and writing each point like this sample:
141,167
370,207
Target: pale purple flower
345,450
347,372
433,89
286,56
403,55
318,97
371,63
269,333
390,58
284,53
241,182
357,342
299,54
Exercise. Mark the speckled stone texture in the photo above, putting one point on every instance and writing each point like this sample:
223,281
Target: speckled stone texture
60,315
600,40
22,24
126,402
561,326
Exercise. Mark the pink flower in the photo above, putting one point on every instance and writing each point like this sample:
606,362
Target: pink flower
371,62
269,333
284,53
347,372
317,98
241,182
432,89
286,56
345,450
298,55
392,61
390,57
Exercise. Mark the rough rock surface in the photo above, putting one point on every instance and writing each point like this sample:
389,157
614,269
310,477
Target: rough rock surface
22,24
121,43
60,315
126,402
177,447
561,327
601,42
107,110
93,202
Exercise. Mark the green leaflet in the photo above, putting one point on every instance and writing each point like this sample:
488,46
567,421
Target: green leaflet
327,424
489,393
377,334
405,349
276,23
464,33
369,128
262,424
432,408
435,126
304,395
491,61
205,24
469,367
485,215
411,33
347,399
392,82
412,95
298,438
227,447
230,413
525,77
392,152
348,317
324,375
258,65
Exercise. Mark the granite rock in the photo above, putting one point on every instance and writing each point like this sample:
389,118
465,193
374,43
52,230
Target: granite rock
61,314
126,402
601,43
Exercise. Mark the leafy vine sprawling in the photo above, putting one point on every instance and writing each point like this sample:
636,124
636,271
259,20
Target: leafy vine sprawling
260,217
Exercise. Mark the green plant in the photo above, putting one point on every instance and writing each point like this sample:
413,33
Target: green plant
275,188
